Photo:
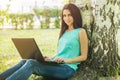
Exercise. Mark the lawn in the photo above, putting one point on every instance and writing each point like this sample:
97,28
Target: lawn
46,39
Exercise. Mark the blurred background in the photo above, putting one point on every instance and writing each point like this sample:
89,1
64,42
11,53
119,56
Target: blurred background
30,14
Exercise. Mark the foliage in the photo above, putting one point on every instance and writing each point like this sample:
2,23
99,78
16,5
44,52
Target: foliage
47,13
3,14
57,23
19,19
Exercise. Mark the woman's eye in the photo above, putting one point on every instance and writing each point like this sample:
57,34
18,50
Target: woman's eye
69,14
64,15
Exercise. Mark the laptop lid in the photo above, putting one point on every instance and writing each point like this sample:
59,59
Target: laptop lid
28,48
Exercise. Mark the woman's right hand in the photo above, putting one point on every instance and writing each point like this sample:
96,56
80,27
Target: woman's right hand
46,58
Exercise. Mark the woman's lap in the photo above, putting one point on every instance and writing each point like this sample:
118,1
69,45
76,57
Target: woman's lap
30,66
59,71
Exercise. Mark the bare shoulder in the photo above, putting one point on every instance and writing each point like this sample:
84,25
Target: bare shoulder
82,31
83,36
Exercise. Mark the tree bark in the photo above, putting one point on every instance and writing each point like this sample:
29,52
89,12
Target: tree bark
100,21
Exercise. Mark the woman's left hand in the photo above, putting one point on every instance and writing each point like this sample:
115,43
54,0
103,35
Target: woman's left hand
59,60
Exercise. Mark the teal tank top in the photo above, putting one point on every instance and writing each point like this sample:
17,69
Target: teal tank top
69,46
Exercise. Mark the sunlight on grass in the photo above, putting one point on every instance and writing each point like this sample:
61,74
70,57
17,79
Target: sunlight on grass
46,39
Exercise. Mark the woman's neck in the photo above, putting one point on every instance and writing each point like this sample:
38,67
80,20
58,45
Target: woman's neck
70,28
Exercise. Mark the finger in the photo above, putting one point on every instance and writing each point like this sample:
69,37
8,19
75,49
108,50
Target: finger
45,57
60,60
56,60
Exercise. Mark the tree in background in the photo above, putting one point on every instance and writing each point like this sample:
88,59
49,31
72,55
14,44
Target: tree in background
100,20
47,13
18,21
4,15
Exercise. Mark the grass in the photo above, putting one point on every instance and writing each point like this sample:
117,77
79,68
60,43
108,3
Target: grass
46,39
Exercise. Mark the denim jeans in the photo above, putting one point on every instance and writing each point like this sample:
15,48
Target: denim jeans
25,68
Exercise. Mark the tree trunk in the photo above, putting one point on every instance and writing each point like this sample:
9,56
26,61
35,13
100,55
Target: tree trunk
100,21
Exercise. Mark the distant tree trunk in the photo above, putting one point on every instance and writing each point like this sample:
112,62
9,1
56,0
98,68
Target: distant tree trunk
100,21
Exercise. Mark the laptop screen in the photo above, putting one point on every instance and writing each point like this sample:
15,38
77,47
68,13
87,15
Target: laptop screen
28,48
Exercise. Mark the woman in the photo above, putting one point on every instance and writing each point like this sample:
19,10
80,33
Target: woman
72,49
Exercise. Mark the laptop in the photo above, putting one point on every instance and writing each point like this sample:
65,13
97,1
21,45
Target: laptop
28,49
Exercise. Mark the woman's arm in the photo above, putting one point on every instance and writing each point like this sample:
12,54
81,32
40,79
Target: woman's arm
84,48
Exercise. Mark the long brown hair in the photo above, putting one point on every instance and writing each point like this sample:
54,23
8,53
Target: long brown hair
76,14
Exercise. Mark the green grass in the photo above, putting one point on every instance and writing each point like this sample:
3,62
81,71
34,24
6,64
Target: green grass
46,39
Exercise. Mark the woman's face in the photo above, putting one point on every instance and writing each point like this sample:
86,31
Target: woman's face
67,17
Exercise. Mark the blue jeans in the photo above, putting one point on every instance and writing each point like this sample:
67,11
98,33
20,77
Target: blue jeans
25,68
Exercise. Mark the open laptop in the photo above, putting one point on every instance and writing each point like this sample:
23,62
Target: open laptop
28,49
